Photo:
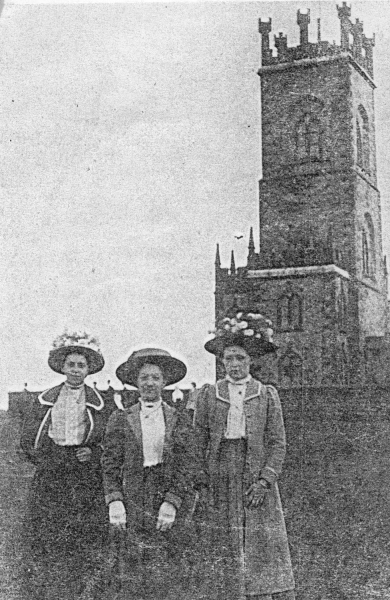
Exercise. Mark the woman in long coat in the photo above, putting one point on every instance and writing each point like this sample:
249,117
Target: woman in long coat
148,469
66,523
241,438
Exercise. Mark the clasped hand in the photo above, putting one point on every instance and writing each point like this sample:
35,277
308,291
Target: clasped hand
255,494
166,516
83,454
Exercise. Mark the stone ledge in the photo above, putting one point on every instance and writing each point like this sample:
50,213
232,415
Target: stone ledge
297,271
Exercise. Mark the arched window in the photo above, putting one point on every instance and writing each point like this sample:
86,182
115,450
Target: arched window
359,145
342,310
368,247
308,138
289,313
363,140
282,314
290,369
343,365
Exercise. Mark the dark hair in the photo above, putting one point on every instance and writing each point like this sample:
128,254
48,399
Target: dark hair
151,361
77,351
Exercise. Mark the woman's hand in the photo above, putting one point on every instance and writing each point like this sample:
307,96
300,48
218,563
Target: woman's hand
83,454
117,514
166,516
256,493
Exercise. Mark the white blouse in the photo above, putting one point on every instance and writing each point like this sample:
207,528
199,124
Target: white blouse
68,417
235,428
153,432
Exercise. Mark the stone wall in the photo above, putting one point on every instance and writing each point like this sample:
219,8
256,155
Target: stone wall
336,491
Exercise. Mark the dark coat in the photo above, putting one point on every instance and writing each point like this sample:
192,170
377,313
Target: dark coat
66,521
122,461
266,554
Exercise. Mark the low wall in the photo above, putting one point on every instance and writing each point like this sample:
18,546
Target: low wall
336,491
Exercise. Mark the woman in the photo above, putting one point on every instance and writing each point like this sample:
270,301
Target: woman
148,464
241,439
62,434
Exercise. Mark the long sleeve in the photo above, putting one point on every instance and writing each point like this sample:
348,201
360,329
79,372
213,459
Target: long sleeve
184,466
275,437
30,425
113,457
202,432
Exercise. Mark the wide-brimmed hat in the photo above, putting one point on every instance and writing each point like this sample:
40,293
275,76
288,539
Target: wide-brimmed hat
78,343
174,369
249,330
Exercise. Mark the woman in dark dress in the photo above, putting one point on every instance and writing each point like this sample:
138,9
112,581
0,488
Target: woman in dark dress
65,526
148,470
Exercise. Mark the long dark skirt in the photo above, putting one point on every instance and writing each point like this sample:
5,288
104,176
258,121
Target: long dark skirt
153,564
66,526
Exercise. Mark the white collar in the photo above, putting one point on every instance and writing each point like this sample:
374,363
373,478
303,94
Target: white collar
243,381
73,387
150,406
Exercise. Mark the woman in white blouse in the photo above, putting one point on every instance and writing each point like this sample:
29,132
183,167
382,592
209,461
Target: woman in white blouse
65,525
148,464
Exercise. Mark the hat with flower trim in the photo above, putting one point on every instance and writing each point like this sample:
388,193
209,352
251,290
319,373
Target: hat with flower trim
173,369
76,343
249,330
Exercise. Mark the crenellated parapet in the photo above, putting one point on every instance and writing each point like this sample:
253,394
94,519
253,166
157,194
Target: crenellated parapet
353,42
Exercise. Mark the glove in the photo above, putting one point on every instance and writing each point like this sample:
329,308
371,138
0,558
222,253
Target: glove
166,516
256,493
117,514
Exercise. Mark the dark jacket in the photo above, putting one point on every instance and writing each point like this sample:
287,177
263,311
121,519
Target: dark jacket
35,441
122,461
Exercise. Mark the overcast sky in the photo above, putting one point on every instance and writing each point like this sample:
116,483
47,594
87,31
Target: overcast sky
130,145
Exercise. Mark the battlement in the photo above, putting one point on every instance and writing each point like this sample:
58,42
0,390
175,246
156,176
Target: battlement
353,42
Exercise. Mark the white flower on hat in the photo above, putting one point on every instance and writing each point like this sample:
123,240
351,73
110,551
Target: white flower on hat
243,325
77,338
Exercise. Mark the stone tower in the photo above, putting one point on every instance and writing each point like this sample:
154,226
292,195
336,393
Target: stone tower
320,274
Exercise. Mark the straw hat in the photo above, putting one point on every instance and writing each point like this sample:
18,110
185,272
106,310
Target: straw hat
174,369
79,343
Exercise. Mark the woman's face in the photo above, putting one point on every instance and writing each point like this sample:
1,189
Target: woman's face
150,383
75,368
237,362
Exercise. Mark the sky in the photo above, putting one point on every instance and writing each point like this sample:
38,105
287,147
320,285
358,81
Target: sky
130,145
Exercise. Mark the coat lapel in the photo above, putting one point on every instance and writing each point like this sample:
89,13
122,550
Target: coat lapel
48,397
222,391
134,420
93,398
253,389
170,421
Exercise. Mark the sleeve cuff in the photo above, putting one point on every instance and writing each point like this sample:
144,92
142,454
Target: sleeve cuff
113,496
173,499
269,475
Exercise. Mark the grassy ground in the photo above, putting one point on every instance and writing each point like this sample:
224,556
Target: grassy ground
15,477
335,490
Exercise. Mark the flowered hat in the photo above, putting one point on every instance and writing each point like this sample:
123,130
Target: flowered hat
249,330
80,343
173,368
